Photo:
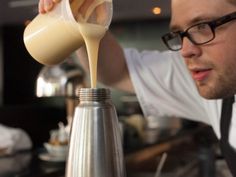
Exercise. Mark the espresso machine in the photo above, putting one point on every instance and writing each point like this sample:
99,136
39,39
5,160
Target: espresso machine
62,80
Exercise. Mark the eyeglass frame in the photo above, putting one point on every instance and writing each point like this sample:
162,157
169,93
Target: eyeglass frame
212,24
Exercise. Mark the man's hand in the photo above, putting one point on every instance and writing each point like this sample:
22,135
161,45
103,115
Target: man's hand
45,6
78,7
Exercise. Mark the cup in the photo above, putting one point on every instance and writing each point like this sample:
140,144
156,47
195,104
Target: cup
50,38
56,150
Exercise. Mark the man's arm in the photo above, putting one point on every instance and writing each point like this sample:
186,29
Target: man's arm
112,68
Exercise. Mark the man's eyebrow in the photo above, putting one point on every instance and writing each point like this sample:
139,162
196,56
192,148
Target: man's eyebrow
195,20
173,27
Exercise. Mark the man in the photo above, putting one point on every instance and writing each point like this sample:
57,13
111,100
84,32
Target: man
203,31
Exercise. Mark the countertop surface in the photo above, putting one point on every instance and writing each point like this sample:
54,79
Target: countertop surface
28,164
183,155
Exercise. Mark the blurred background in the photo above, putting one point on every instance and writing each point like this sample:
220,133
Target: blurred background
136,23
192,148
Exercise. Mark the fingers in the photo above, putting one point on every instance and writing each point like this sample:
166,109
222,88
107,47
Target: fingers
101,13
84,7
41,7
46,5
56,1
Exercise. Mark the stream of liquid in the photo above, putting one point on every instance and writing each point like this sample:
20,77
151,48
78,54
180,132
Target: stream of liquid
92,35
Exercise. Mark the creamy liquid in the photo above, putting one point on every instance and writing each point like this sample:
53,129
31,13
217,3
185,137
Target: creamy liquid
92,35
51,39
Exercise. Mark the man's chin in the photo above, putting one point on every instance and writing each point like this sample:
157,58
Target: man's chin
209,97
212,94
207,93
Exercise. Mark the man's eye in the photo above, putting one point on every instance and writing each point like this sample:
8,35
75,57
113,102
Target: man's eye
202,26
171,35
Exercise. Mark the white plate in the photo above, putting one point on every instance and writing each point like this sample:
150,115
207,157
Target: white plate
50,158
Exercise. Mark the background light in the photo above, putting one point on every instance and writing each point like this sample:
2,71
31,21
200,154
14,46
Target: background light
156,10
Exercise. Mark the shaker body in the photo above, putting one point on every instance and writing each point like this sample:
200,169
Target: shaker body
95,144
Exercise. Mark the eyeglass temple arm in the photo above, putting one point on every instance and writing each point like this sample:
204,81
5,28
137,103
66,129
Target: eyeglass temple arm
223,20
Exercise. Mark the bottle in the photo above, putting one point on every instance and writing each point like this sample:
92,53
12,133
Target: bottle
95,148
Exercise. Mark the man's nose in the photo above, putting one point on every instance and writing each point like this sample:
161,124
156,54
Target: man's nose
189,50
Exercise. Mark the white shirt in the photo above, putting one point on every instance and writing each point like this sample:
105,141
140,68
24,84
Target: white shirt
164,87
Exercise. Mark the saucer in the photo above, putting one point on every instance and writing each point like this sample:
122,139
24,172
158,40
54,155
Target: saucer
49,158
56,150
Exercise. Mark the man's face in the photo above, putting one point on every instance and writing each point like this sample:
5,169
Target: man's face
212,65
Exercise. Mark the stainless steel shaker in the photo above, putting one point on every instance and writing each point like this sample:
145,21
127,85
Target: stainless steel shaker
95,148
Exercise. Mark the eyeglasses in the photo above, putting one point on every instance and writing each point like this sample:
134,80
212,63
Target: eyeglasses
198,34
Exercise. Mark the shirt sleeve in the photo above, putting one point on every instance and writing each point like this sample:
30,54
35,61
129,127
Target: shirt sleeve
164,86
